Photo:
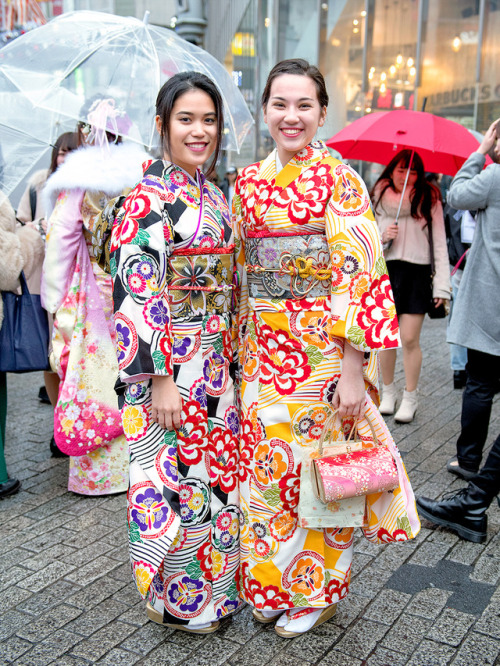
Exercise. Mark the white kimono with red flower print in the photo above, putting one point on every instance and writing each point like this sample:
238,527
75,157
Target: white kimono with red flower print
172,256
290,355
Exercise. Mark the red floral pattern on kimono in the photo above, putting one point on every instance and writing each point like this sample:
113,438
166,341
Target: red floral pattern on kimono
290,356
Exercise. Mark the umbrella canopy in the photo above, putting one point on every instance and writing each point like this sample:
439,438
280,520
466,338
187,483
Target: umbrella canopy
83,54
442,144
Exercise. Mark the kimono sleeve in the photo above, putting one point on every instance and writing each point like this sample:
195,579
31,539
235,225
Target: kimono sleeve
142,240
362,301
63,239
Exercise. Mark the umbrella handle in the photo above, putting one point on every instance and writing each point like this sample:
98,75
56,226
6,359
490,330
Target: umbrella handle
390,242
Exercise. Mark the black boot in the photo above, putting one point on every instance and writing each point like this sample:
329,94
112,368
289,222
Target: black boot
463,511
9,487
55,450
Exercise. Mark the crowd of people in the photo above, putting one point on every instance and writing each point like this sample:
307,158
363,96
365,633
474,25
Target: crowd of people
198,350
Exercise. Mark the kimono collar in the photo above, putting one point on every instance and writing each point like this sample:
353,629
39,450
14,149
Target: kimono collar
312,154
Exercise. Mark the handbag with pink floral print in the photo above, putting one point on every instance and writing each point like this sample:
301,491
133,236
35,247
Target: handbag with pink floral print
353,468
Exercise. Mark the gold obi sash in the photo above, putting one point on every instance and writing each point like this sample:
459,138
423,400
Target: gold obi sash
288,266
200,281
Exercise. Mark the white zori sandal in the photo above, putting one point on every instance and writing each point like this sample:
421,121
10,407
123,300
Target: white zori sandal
297,621
206,628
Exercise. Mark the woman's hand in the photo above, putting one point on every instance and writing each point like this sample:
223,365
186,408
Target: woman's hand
438,302
390,233
166,402
350,397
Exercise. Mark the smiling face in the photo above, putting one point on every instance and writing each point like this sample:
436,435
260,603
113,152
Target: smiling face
293,114
399,175
192,132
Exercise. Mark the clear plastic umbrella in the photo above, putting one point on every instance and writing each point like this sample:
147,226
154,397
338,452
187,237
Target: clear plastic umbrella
81,54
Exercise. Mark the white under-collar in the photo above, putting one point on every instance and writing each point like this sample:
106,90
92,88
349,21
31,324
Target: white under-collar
279,166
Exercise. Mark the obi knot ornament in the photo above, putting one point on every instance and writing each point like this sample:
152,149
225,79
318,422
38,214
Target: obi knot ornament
356,468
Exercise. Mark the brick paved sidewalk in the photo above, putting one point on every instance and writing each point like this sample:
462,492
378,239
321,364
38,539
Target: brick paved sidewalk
66,594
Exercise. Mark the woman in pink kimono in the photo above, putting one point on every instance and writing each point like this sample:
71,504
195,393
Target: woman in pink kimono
78,292
316,305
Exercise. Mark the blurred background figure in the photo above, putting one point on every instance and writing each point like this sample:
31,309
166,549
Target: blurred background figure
407,253
21,249
457,223
227,185
476,318
31,210
87,422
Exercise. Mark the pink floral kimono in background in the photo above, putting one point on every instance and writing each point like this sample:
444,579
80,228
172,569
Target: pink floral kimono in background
79,293
313,280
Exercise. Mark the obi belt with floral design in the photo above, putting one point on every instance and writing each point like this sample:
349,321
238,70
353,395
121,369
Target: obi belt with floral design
200,281
288,266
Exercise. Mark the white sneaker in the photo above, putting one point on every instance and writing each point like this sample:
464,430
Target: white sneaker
407,408
388,403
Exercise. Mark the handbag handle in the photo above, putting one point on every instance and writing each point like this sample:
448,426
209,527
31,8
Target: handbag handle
353,429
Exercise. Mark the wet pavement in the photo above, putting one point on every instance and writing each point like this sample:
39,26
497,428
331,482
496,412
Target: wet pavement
67,596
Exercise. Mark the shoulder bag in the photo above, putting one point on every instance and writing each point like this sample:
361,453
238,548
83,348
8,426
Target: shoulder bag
24,335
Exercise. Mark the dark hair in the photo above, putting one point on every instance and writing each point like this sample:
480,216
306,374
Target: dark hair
68,142
174,88
424,194
302,68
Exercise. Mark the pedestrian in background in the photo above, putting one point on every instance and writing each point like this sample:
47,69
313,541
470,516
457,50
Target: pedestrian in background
227,185
476,317
21,249
407,253
31,210
79,294
307,348
172,261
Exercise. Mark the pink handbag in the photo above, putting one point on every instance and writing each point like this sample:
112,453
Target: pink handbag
356,468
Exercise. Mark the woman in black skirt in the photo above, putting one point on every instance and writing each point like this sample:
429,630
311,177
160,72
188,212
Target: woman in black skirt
407,252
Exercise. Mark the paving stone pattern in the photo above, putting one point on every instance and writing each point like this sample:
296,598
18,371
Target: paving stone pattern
67,597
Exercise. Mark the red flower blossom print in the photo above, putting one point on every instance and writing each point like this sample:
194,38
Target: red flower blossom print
222,459
384,536
289,486
248,441
283,363
306,196
377,316
204,557
124,232
137,205
268,597
192,436
335,590
283,525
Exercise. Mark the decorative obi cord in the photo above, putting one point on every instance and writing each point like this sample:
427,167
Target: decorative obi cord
200,281
289,266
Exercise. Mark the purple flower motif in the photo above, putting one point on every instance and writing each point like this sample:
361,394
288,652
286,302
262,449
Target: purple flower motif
150,510
229,605
232,421
145,269
305,424
157,585
186,513
123,339
213,370
186,594
267,254
170,470
350,265
181,345
226,539
156,313
200,395
159,313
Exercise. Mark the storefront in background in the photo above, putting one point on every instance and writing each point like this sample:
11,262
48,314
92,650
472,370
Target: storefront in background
375,55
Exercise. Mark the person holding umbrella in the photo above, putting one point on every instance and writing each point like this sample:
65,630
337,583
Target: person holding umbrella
172,260
407,209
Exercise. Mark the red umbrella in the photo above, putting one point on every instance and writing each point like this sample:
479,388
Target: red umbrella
442,144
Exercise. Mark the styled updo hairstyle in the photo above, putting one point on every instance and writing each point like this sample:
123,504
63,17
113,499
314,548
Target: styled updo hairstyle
302,68
174,88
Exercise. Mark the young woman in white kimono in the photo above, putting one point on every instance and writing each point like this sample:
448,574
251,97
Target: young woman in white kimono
172,260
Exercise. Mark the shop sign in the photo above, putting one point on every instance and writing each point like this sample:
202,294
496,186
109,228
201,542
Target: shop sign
466,95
